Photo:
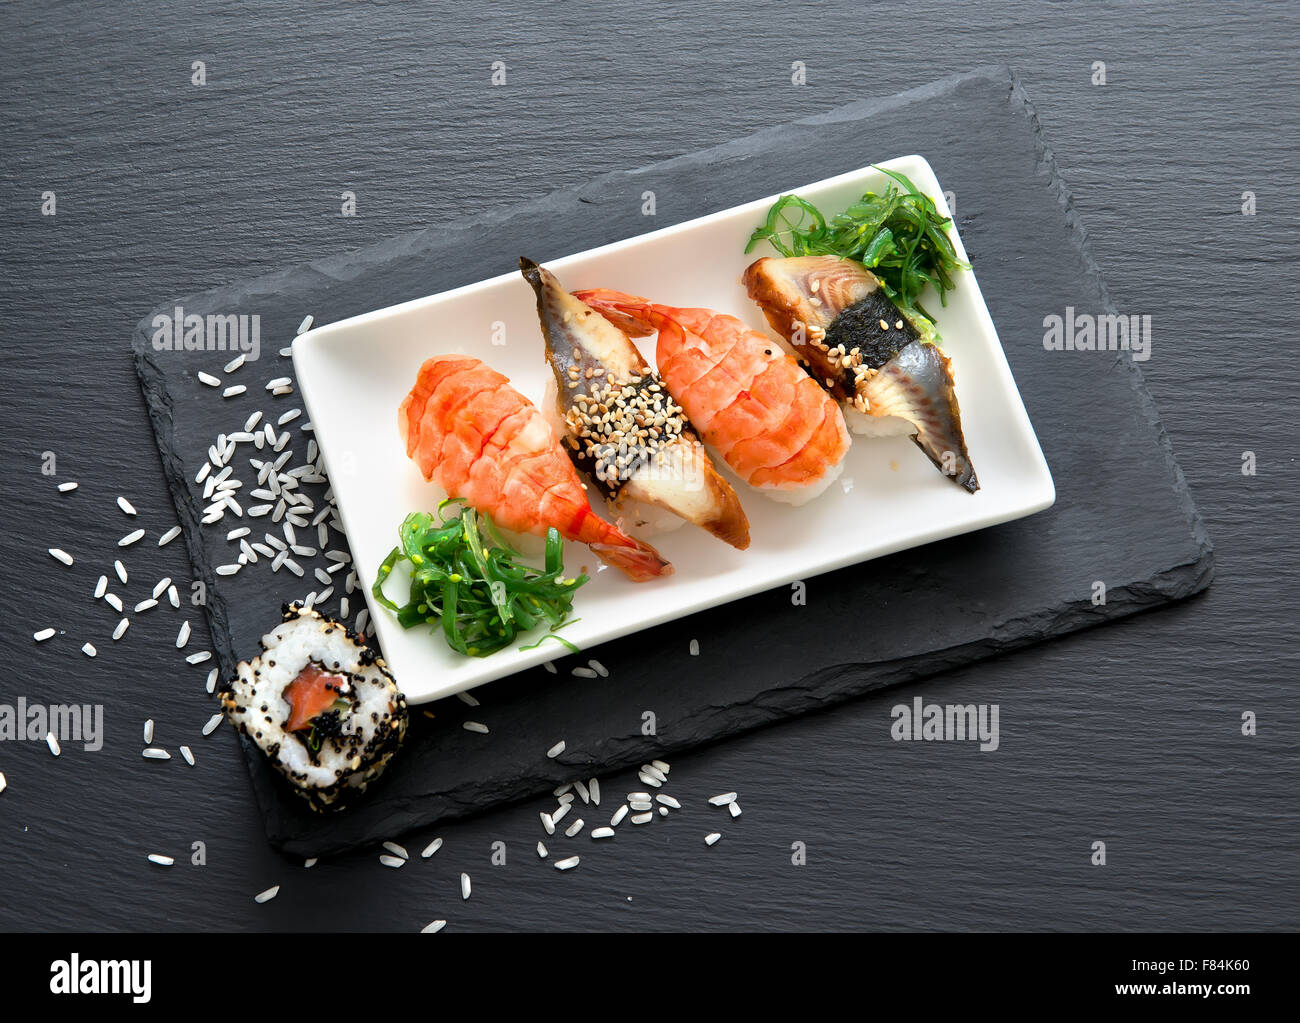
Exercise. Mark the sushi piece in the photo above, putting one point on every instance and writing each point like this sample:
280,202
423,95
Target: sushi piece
321,705
750,401
836,315
624,429
478,438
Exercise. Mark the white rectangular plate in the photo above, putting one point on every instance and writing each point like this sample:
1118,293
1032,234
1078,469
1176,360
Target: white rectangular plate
355,373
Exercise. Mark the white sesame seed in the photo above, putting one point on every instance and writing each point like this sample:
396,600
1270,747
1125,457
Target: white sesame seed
59,555
88,649
154,753
43,635
464,886
211,726
475,726
433,928
130,538
711,838
183,636
122,626
567,864
726,797
267,895
209,379
52,742
431,848
125,505
161,860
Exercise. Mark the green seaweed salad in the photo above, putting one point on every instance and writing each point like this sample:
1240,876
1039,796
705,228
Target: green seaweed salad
898,235
465,577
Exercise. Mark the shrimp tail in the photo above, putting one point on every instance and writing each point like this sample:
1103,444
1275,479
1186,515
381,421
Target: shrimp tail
639,562
633,315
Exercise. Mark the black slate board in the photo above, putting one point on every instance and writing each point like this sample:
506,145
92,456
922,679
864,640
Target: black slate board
1123,514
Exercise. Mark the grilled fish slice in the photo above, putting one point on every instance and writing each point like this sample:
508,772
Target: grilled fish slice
624,430
836,315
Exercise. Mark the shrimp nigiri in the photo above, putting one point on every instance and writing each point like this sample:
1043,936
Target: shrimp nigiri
478,438
771,422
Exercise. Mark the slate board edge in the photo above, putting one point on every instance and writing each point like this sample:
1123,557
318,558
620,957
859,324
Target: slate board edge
1175,584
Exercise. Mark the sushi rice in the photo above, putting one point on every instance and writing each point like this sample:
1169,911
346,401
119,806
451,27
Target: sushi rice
353,743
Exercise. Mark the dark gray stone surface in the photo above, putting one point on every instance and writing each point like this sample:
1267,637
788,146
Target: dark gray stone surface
762,658
1128,734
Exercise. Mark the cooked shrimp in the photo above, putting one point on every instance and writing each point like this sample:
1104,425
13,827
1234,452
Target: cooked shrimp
750,401
478,438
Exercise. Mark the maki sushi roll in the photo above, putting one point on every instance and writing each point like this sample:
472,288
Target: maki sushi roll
321,705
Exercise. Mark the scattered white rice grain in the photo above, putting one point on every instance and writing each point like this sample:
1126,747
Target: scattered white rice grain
238,534
145,605
734,808
234,363
392,861
659,765
308,863
642,818
88,649
582,791
212,724
202,474
209,379
695,648
669,801
567,864
560,790
640,804
252,421
433,928
183,636
271,385
199,658
639,795
288,417
161,860
343,607
593,787
541,850
649,779
397,850
599,668
464,886
431,848
654,772
155,753
173,597
711,838
113,601
726,797
101,587
231,392
550,667
281,391
305,325
130,538
583,673
286,353
3,784
189,756
59,555
602,833
293,566
125,505
575,827
169,536
211,685
324,577
475,726
548,823
52,742
67,487
566,798
43,635
148,731
122,626
267,895
227,569
619,814
120,569
464,698
560,813
663,811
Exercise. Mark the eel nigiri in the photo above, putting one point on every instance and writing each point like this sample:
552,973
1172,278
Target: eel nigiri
624,429
869,355
776,428
478,438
